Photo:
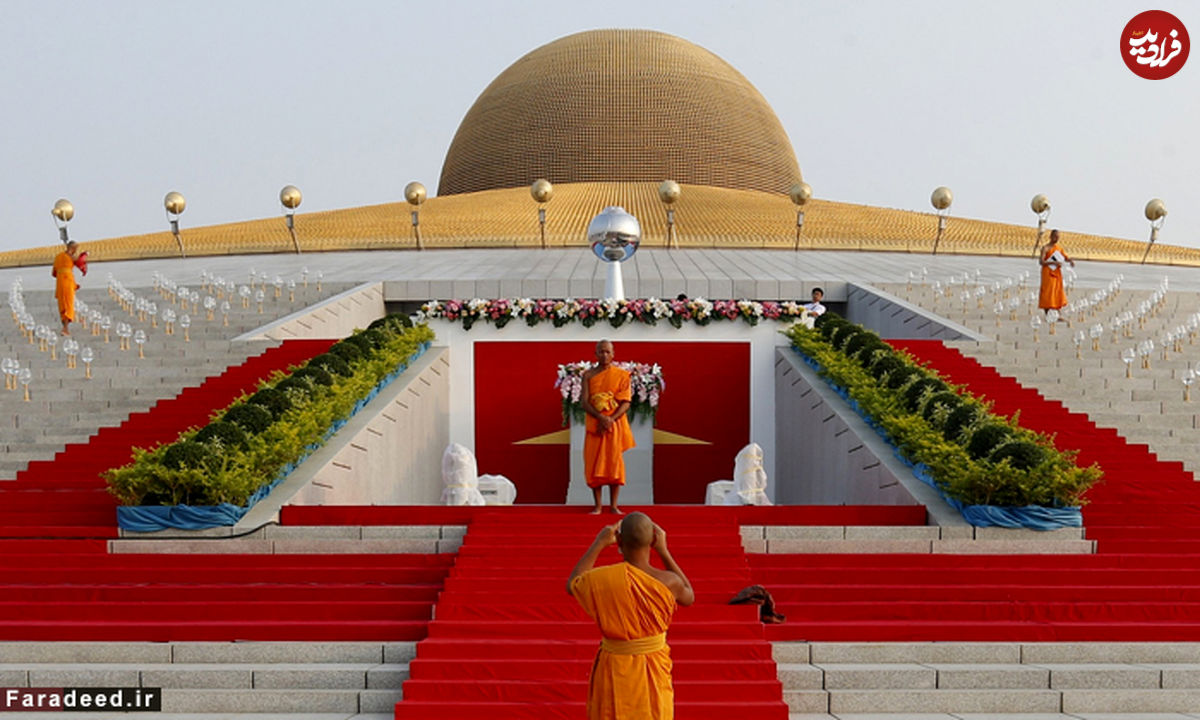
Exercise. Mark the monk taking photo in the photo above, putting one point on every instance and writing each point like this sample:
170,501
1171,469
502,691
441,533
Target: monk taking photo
632,602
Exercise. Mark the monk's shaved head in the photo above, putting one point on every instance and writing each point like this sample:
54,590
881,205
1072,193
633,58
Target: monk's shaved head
637,531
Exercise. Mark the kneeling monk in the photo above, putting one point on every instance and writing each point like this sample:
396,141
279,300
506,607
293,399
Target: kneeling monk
606,397
632,602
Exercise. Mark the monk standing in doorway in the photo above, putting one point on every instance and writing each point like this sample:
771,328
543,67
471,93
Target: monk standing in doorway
606,399
632,602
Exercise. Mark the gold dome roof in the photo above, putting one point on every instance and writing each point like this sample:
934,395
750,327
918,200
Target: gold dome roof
620,106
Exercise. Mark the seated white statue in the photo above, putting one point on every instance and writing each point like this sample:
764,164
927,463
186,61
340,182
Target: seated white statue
460,475
749,478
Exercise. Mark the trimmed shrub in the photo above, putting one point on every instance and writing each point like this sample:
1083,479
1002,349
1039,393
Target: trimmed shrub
295,384
914,393
275,401
884,365
316,375
331,363
901,375
959,419
1021,454
347,351
831,324
374,338
858,342
843,334
948,400
986,439
826,318
249,417
186,453
871,350
226,433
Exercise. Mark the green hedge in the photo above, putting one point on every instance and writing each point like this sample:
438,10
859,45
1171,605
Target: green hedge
975,456
245,445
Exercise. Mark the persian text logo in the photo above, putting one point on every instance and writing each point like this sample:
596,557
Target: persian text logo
1155,45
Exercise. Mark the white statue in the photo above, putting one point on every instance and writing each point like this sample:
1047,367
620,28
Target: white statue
460,475
749,478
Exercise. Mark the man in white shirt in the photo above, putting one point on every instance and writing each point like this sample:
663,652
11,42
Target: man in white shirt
815,307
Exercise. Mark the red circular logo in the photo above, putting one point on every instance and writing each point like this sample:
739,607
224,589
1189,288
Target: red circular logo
1155,45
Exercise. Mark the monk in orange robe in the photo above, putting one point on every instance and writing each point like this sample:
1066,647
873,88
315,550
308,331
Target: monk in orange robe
632,602
606,398
65,286
1052,295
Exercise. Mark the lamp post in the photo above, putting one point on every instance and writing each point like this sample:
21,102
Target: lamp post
1041,207
175,204
542,191
414,193
614,236
800,193
62,212
941,199
1156,213
290,198
668,192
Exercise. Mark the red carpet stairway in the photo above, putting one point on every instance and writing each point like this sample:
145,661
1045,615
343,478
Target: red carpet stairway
69,588
1143,585
508,642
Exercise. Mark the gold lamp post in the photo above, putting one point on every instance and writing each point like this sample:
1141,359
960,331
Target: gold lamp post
668,192
175,204
542,191
800,193
941,200
1156,213
290,198
62,212
414,193
1040,204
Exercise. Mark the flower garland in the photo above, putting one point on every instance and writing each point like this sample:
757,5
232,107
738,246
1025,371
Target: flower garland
646,384
502,311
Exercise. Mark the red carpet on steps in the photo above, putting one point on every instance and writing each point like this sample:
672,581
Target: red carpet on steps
57,581
66,497
1143,585
508,642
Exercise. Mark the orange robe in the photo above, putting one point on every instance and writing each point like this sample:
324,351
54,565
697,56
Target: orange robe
1052,296
631,675
602,461
65,287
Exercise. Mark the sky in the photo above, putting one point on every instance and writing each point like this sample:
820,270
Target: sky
113,104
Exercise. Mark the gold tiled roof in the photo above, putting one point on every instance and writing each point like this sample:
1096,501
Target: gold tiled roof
620,105
705,217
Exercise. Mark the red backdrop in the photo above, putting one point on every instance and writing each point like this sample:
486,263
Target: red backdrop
707,398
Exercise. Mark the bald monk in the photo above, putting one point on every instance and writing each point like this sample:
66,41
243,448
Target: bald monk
632,602
65,286
606,398
1051,295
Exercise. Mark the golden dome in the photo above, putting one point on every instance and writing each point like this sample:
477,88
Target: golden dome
620,106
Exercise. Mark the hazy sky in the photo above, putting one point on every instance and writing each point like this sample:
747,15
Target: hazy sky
112,104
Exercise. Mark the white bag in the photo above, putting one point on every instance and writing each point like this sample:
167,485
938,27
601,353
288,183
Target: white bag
459,475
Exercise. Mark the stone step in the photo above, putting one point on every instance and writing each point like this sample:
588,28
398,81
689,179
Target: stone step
209,676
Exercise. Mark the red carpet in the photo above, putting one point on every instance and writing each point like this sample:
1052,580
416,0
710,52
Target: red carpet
65,497
508,642
1144,585
59,583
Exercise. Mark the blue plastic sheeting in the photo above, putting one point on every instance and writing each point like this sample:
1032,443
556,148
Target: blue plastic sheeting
1033,517
149,518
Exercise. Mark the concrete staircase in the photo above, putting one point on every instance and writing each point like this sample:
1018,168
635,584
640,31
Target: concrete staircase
945,680
66,407
262,679
1148,407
